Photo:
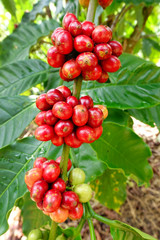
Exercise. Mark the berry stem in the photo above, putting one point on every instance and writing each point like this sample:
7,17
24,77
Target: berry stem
64,161
77,87
91,229
91,10
53,231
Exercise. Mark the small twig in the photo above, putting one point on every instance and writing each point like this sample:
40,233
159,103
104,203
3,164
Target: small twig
48,12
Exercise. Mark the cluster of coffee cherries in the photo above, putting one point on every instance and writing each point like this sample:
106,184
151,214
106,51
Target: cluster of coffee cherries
52,195
65,119
84,49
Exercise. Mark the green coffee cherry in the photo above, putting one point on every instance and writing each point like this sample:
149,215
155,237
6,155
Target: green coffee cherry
35,234
84,192
76,176
61,237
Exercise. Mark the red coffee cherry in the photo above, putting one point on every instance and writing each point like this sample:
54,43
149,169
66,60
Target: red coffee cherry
68,18
45,164
60,215
86,134
103,51
49,118
64,42
38,190
104,110
58,160
80,115
87,60
72,140
51,172
98,131
72,101
111,64
56,31
44,133
77,212
87,101
32,176
54,58
62,110
95,117
52,200
42,104
57,140
93,74
87,28
83,43
63,77
103,78
65,91
75,28
71,69
39,119
101,34
39,162
40,205
117,48
69,200
53,96
59,185
63,128
105,3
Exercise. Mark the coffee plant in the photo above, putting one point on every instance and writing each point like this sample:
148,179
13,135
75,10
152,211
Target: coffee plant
66,74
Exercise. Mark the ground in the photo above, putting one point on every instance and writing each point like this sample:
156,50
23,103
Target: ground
141,208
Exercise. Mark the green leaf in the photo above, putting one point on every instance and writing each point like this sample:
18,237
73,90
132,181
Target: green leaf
120,117
135,85
148,116
22,39
37,9
86,158
110,188
123,231
32,216
15,161
20,76
15,115
146,47
137,2
10,6
121,148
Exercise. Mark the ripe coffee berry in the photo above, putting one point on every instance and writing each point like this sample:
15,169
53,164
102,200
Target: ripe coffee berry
93,74
53,96
63,77
105,3
46,163
54,58
95,117
65,91
103,78
44,133
39,120
32,176
87,101
63,128
58,161
101,34
71,69
98,131
49,118
87,28
57,140
87,60
51,172
38,190
62,110
77,212
83,43
104,110
52,200
117,48
75,28
69,200
60,215
80,115
103,51
64,42
72,140
42,104
86,134
68,18
39,162
112,64
59,185
72,101
56,31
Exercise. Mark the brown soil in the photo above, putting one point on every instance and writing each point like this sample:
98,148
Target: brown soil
141,209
